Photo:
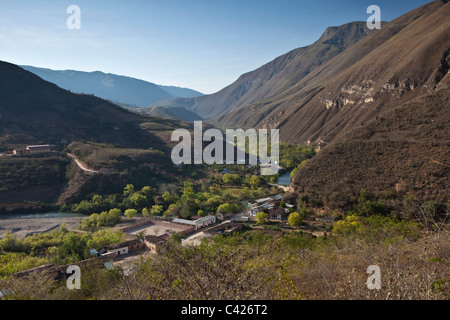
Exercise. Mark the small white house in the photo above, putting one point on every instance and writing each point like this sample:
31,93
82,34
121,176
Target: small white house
119,251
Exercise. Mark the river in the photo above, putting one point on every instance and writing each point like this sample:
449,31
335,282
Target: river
40,215
284,179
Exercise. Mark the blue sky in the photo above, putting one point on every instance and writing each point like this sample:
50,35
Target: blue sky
200,44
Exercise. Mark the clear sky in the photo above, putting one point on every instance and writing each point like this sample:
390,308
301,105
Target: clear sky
200,44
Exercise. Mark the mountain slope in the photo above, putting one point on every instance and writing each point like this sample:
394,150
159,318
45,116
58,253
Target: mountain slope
34,110
180,92
172,113
403,60
276,76
105,136
405,149
111,87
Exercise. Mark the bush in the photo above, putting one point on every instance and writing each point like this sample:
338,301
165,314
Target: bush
131,213
294,219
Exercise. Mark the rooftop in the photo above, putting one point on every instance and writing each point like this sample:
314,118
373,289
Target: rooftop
154,239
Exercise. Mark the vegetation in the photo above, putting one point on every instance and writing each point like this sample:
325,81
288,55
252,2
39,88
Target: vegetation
256,265
104,219
291,155
262,217
31,171
58,247
294,219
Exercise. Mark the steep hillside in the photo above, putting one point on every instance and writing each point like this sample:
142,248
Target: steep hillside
405,149
276,76
33,111
180,92
172,113
112,87
403,60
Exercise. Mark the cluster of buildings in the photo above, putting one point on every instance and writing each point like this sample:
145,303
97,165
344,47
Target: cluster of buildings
155,244
270,205
33,149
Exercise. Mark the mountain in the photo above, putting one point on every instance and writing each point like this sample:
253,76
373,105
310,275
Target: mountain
112,87
34,110
274,77
404,151
403,60
128,147
180,92
172,113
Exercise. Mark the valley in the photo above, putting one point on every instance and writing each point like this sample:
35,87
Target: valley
94,173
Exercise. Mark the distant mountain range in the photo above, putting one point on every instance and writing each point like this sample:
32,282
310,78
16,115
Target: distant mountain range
112,87
36,111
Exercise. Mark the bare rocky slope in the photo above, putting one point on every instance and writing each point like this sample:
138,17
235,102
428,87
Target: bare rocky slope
276,76
405,149
405,59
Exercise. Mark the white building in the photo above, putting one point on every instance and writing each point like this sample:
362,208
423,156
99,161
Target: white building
199,223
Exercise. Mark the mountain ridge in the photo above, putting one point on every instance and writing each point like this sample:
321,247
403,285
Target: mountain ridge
123,89
388,67
273,77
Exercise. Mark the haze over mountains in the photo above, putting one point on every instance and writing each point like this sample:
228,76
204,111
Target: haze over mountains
125,90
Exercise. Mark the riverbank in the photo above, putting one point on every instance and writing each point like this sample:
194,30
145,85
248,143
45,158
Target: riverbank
24,225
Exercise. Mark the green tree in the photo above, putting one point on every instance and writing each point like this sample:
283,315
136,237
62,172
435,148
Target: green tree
351,224
294,219
128,190
201,213
255,181
114,216
147,191
233,179
262,217
131,213
227,207
215,189
156,210
138,201
73,249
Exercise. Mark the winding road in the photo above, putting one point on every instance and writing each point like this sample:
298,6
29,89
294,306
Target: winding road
80,164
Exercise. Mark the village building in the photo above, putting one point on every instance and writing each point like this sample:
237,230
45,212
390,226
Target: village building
199,223
154,243
40,148
20,151
33,149
126,247
279,214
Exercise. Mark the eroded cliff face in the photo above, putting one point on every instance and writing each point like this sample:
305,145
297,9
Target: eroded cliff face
407,58
405,149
